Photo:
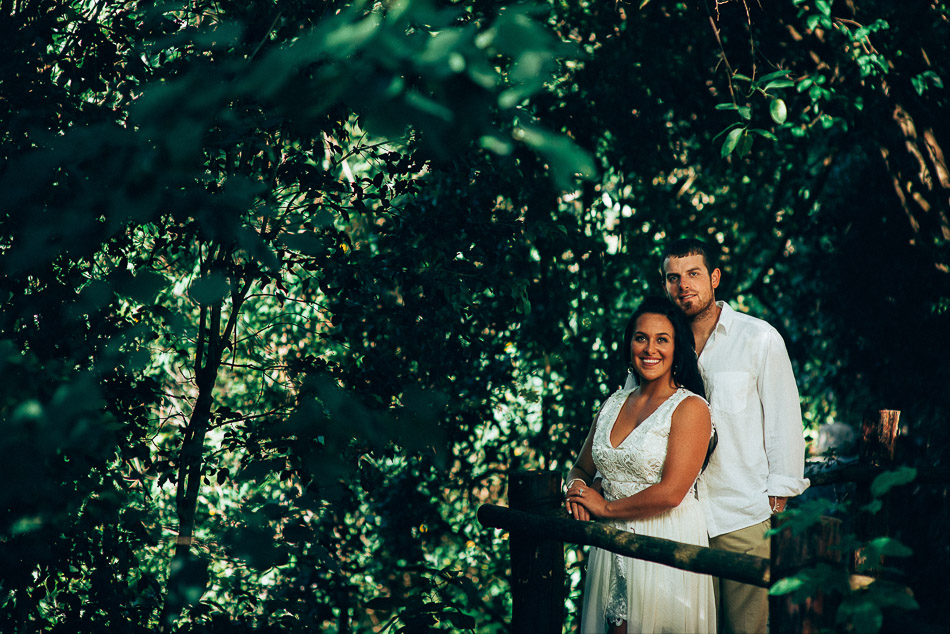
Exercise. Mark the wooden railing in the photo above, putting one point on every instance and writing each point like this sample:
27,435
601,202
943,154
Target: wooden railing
538,528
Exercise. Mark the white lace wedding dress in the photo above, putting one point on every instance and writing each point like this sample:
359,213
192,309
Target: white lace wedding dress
650,597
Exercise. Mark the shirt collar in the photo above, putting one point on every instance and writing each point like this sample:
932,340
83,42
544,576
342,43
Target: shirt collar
726,317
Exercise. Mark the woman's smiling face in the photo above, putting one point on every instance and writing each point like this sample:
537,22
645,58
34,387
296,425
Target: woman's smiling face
651,348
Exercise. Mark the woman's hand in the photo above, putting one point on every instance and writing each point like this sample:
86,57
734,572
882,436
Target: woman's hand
585,502
583,470
577,511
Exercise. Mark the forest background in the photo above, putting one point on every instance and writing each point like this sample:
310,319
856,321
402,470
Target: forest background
289,287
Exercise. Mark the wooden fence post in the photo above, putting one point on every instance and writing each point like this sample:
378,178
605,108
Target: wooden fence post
791,553
877,448
537,565
879,437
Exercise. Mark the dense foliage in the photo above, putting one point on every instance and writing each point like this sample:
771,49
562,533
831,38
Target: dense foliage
288,287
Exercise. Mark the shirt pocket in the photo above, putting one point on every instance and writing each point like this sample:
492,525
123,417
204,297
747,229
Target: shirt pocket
731,391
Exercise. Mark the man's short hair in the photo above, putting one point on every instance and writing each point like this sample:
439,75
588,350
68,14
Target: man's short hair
690,246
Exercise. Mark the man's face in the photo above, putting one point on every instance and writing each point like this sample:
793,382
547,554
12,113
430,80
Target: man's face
689,284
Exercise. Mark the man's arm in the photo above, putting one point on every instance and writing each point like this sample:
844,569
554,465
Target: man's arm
782,421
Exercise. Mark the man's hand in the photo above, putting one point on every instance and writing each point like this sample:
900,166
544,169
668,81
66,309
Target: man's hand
777,504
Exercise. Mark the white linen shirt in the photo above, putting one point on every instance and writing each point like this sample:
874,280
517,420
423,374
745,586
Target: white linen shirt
756,409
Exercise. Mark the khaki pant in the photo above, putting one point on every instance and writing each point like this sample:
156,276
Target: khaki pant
743,609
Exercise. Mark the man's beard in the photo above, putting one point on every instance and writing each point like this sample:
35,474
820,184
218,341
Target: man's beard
697,311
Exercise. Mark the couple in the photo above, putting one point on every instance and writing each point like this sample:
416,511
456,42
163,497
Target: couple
640,465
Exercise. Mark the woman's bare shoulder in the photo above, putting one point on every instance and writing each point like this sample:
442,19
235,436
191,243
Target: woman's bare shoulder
692,407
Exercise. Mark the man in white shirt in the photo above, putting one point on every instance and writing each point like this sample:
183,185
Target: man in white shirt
759,462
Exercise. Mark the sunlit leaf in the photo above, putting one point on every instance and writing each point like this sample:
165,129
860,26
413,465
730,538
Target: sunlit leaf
496,144
779,83
786,585
778,111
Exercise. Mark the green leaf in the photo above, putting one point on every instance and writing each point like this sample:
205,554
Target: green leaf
900,600
745,144
889,547
862,614
525,307
890,479
745,112
256,546
726,106
344,39
768,135
779,83
920,82
824,6
564,157
382,603
209,289
495,144
786,586
890,594
458,619
188,577
142,287
426,105
732,140
741,77
305,243
726,129
773,75
778,111
516,33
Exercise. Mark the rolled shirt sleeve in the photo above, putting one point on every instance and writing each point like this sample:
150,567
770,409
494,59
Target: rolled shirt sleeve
781,420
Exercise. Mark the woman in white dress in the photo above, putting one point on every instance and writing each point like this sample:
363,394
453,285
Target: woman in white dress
648,444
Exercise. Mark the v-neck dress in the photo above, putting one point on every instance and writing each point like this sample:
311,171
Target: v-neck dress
650,597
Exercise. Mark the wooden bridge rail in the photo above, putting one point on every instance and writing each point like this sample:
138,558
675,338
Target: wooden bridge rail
563,528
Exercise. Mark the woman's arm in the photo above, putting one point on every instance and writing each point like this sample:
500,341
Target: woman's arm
582,473
686,448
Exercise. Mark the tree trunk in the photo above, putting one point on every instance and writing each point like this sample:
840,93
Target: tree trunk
185,572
